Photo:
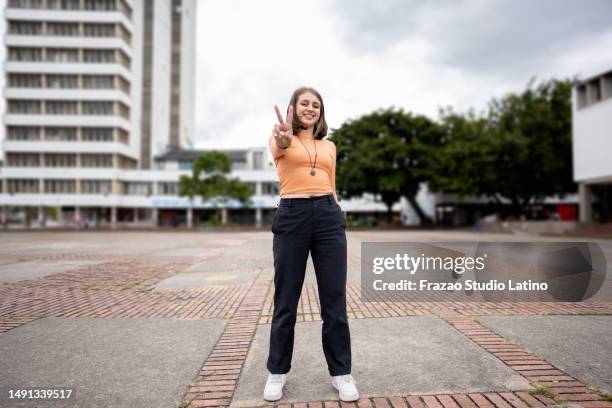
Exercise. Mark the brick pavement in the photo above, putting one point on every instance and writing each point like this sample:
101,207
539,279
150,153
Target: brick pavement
219,375
121,287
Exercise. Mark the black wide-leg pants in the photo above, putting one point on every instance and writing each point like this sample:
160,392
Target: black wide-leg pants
316,225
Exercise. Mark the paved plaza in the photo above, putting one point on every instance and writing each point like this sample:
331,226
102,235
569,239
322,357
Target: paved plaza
182,319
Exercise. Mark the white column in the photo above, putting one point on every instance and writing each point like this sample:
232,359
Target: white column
190,218
154,216
42,216
77,217
258,217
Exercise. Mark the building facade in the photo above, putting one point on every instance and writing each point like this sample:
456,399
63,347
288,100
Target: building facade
592,145
93,88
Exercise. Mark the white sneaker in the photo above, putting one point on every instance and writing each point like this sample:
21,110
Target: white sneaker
346,386
274,387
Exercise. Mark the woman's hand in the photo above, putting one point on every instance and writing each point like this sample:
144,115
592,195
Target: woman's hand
283,132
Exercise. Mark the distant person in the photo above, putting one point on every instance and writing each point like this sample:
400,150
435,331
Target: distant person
308,219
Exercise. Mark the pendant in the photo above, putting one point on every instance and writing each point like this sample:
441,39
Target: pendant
312,172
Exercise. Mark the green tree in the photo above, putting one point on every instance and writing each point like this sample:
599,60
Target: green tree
210,182
385,153
520,150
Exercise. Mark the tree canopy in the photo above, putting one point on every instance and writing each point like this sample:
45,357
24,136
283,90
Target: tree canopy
209,180
520,150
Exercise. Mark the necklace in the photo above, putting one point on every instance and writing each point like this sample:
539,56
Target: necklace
312,170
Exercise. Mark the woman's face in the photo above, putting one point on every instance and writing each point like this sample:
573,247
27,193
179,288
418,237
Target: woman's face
308,108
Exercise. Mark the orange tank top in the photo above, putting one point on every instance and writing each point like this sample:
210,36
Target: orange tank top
293,166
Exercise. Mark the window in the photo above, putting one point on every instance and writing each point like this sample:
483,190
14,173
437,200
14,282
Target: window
96,160
581,96
124,85
268,188
137,188
23,133
25,80
123,136
62,55
61,107
99,56
63,29
123,110
98,82
60,159
185,165
607,86
257,160
62,81
25,4
124,34
60,134
22,160
60,186
63,4
125,9
25,54
123,59
24,106
23,186
167,188
593,92
97,134
97,108
99,30
238,164
101,5
126,162
25,27
96,186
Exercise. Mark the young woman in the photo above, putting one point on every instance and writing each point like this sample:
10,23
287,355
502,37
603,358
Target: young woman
308,220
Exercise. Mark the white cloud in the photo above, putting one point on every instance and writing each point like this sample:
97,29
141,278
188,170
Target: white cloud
415,55
252,55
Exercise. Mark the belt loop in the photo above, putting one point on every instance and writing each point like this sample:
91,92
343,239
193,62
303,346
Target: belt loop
329,199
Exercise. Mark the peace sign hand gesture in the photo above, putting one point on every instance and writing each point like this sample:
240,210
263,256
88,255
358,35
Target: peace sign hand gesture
283,132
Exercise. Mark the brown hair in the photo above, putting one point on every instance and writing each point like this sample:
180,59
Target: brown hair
320,128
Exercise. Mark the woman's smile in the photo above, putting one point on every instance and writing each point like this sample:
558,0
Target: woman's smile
308,108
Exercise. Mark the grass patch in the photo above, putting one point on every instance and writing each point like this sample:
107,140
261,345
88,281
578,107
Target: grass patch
543,390
510,340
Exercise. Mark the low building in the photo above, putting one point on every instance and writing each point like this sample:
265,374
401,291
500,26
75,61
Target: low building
149,198
592,145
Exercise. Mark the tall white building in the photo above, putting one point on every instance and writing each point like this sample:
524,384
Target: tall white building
592,145
92,88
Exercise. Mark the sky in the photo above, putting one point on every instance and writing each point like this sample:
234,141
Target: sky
363,55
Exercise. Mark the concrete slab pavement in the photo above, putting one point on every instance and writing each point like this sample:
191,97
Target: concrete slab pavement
202,279
19,271
578,345
391,356
112,362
